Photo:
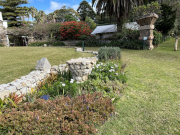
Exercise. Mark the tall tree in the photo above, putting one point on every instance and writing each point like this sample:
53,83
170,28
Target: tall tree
33,12
119,8
61,13
40,17
166,22
12,11
90,23
85,9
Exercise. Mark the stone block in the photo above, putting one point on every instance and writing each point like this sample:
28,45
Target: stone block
79,72
76,67
84,78
4,93
3,86
83,67
71,67
23,90
18,92
86,71
54,68
43,64
11,89
78,79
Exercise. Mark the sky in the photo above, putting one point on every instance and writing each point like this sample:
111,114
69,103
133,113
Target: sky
49,6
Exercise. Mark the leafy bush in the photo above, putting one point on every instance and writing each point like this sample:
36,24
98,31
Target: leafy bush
122,44
109,70
59,44
73,30
157,38
1,45
38,43
83,37
58,116
42,43
106,53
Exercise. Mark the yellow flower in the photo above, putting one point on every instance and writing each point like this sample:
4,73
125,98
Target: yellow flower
31,90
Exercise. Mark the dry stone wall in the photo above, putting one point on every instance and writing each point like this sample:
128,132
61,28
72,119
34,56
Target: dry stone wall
80,68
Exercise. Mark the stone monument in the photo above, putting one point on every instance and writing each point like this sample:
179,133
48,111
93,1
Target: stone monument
146,23
4,40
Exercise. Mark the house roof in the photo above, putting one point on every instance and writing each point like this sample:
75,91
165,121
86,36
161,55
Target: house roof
105,29
113,28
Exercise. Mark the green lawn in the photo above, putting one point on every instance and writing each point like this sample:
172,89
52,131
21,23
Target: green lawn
19,61
151,102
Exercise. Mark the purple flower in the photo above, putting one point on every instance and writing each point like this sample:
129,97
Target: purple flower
66,104
87,107
46,97
37,117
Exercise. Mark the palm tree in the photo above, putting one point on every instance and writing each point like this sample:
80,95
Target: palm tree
28,14
38,18
49,17
33,12
119,8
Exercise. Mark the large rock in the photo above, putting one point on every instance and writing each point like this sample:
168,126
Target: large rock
43,64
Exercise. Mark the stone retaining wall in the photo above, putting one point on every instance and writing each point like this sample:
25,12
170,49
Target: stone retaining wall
80,68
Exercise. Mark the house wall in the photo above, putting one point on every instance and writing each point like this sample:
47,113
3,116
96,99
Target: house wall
104,35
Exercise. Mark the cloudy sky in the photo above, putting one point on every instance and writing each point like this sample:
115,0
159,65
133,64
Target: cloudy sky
48,6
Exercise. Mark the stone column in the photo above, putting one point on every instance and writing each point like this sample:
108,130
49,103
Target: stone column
3,32
146,28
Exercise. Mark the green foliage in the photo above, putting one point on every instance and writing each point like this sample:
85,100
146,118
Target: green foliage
157,38
90,22
69,17
85,10
136,44
11,11
82,37
154,7
48,43
62,13
58,116
109,71
59,44
1,45
166,22
38,43
106,53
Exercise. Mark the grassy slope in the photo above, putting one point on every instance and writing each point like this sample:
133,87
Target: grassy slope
19,61
151,102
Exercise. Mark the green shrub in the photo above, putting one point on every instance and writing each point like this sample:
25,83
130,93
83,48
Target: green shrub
157,38
109,70
137,45
83,37
1,45
106,53
59,44
58,116
38,43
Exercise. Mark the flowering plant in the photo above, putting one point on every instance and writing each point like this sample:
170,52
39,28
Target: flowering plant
110,70
73,30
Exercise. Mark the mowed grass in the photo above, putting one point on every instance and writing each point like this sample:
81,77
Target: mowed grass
19,61
151,102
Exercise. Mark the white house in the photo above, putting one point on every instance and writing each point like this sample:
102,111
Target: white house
102,32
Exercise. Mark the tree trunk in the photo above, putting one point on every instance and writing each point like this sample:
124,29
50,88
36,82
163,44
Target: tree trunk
120,21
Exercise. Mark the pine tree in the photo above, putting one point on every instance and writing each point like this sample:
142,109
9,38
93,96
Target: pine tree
85,9
12,12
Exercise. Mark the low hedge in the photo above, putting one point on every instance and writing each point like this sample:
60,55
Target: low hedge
48,43
122,44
